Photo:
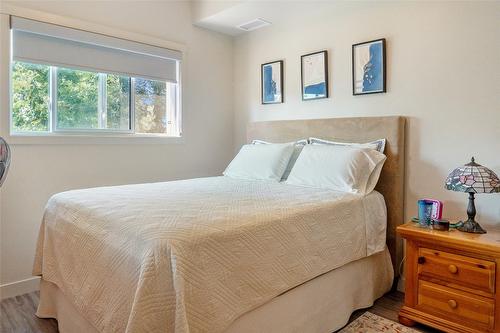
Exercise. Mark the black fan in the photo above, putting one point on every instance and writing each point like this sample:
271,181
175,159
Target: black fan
4,159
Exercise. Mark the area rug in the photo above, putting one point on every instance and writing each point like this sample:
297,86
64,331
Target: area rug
370,323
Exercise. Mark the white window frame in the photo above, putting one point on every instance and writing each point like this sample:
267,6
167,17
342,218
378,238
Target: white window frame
170,104
174,129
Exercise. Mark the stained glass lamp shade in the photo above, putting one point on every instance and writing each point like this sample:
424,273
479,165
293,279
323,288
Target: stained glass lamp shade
472,178
4,159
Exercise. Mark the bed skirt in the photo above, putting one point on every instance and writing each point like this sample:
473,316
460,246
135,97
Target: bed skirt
321,305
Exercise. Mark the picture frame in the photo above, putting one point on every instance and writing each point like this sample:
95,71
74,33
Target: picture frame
271,82
369,67
314,75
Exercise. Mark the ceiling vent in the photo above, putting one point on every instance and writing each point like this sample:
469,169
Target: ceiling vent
254,24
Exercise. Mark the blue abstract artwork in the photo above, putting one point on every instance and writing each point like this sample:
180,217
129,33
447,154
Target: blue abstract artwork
368,67
314,76
272,82
315,90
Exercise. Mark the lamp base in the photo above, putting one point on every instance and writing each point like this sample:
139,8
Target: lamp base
472,227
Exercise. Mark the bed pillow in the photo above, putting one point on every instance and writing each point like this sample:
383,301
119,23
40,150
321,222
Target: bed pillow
338,167
296,152
262,142
260,162
378,145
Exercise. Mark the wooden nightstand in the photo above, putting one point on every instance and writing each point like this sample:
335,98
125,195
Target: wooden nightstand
452,279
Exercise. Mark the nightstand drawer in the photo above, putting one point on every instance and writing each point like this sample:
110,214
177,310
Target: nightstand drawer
474,274
455,305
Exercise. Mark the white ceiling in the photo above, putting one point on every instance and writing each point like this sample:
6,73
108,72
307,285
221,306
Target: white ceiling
226,16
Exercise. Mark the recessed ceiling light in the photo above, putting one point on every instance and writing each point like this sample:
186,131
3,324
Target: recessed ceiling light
254,24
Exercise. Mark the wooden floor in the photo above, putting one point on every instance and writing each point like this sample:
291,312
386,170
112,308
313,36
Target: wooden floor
17,314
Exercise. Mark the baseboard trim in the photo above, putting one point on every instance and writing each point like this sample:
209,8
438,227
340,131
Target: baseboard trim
19,287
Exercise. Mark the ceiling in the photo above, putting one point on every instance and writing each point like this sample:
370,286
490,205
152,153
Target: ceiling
226,16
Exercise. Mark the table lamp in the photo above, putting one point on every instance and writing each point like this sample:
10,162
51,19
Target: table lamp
472,178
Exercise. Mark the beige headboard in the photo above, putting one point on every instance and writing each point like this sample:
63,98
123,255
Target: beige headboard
362,129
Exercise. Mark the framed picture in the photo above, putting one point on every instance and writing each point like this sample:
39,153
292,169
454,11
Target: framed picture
368,67
272,82
314,75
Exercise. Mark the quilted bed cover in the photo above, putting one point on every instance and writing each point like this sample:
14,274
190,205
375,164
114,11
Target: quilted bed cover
194,255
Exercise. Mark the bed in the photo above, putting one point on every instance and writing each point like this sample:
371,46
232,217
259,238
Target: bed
222,255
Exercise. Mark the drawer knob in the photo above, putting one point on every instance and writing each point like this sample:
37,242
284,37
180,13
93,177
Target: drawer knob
452,303
453,269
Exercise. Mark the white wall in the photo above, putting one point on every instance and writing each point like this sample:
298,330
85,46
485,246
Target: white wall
38,171
443,75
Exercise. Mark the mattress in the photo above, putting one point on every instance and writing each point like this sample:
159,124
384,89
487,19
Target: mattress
194,255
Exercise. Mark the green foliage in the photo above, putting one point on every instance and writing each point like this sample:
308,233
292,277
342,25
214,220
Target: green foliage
30,97
77,98
150,106
118,101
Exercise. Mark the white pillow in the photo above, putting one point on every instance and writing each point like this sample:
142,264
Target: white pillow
261,162
299,144
340,168
378,145
262,142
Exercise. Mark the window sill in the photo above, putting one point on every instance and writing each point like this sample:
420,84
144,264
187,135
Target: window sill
91,139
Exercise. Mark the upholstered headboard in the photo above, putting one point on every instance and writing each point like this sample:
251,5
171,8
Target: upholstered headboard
362,129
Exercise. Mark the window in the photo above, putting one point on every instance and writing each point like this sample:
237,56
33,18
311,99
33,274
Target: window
30,98
63,84
88,101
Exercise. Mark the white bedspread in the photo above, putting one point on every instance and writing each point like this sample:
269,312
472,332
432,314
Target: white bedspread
193,255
